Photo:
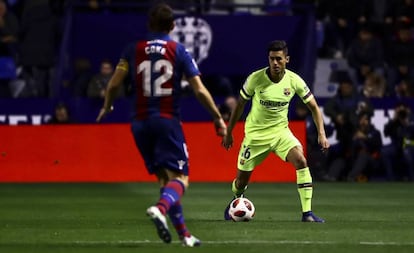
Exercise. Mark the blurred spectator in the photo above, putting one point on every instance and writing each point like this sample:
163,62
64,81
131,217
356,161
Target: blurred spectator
339,18
366,150
98,83
400,51
60,115
405,88
365,55
344,107
397,157
343,110
378,13
39,37
404,11
9,28
8,47
82,77
374,86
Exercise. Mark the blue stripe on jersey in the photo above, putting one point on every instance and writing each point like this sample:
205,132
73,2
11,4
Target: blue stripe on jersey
156,68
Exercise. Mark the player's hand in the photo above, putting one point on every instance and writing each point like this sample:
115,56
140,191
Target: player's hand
323,142
103,112
220,126
227,141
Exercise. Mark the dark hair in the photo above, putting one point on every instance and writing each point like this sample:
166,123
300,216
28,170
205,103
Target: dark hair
161,18
278,45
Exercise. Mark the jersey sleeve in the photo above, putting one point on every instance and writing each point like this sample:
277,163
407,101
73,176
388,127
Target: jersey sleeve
125,57
247,90
190,66
302,89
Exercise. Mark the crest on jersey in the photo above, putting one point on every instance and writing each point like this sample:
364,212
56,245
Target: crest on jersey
286,91
195,34
181,164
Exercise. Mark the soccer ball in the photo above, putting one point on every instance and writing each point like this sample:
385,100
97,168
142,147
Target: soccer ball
241,209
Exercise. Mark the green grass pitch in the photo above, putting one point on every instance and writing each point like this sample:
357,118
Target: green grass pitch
84,217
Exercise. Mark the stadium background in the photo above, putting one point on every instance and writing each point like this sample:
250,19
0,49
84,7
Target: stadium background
237,46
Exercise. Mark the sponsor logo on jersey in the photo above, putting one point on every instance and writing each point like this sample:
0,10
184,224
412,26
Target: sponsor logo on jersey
273,105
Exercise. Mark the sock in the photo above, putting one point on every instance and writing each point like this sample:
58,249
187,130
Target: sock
170,194
305,189
237,192
177,219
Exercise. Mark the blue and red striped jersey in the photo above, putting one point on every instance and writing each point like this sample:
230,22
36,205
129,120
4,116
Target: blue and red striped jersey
156,68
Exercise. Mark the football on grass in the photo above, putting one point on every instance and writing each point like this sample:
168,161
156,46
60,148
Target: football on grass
241,209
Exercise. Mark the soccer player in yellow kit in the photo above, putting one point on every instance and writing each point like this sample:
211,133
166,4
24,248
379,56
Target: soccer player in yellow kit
266,128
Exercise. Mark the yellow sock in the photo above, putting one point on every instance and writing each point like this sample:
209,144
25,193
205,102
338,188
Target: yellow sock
305,189
237,192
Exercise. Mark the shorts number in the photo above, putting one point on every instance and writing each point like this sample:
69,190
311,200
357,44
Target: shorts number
246,152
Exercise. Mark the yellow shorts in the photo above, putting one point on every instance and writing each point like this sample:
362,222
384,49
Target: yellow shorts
252,153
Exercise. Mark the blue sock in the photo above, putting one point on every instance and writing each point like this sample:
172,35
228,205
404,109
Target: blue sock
177,219
170,194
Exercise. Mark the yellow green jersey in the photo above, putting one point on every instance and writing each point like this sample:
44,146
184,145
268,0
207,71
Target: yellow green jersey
270,103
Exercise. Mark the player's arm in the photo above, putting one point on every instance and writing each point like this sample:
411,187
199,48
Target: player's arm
234,117
114,84
318,120
205,98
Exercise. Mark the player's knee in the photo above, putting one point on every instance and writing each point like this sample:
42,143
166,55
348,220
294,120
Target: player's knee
174,175
300,162
184,180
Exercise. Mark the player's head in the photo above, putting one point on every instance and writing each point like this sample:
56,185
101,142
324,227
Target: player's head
161,18
278,45
278,56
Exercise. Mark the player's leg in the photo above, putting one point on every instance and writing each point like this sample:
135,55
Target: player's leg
171,153
239,184
175,212
157,216
304,183
146,138
290,149
249,157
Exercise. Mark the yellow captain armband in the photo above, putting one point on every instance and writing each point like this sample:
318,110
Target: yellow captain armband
123,65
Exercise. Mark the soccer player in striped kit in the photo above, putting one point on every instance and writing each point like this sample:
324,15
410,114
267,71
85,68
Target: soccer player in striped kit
156,67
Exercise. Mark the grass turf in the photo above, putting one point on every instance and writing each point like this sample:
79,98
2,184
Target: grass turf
370,217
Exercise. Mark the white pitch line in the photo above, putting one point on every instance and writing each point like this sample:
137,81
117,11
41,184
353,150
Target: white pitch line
140,242
388,243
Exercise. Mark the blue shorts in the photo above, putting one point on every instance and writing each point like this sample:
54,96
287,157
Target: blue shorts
162,144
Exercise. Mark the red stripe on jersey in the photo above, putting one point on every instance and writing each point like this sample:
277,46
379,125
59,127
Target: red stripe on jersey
150,70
